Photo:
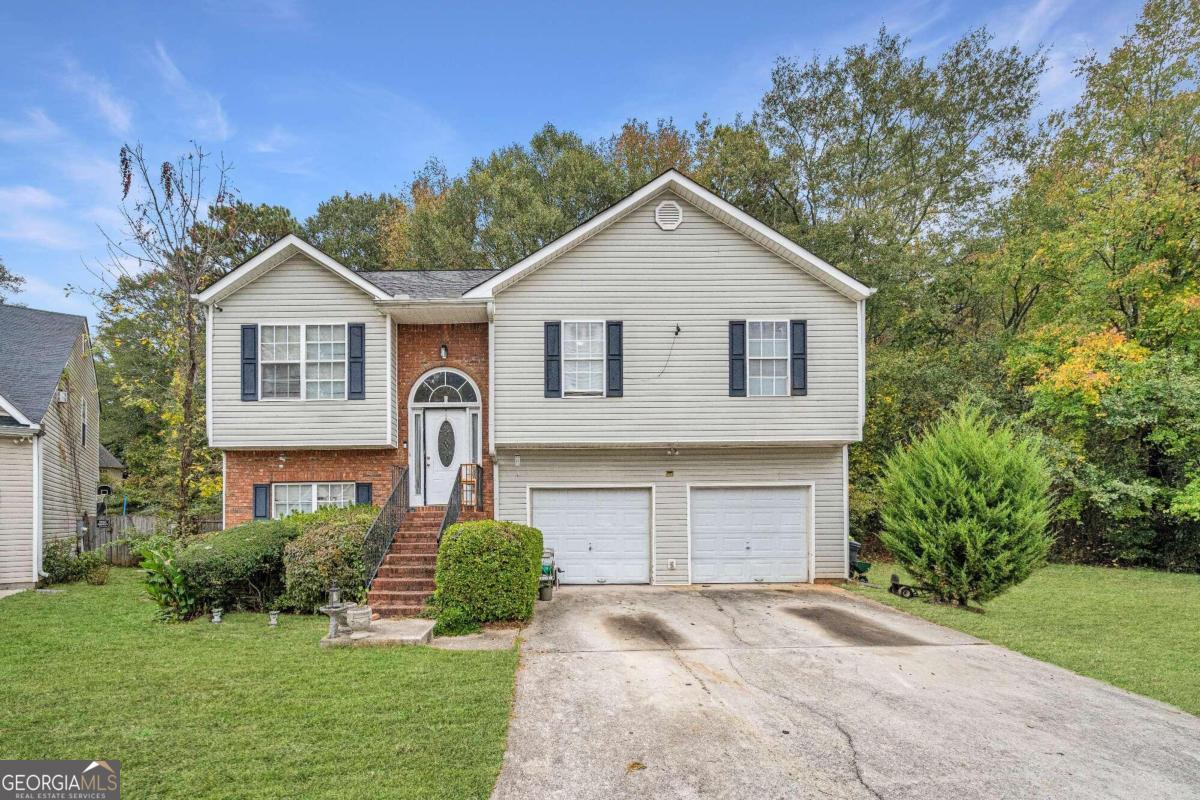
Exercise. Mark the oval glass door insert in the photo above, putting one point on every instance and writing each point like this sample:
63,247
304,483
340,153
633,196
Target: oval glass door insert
446,443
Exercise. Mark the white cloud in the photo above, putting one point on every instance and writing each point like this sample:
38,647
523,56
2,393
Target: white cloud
30,214
207,115
36,126
1036,21
37,293
115,111
275,140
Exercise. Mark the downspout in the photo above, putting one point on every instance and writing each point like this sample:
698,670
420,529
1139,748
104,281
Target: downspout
38,572
491,426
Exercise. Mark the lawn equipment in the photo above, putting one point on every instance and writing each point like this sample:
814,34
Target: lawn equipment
858,569
904,590
548,578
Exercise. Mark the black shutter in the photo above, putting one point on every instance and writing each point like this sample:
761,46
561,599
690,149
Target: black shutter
553,359
737,358
249,362
356,383
362,494
799,356
616,357
262,501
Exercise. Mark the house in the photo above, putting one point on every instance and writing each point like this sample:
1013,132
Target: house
112,470
668,392
49,436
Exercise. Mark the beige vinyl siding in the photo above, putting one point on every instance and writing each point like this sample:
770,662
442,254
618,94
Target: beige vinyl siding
299,292
676,388
16,512
822,466
70,467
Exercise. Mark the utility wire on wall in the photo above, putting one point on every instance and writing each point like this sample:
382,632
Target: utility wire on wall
667,363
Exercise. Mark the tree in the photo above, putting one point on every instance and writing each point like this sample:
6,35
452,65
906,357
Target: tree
167,253
247,229
966,507
9,283
350,228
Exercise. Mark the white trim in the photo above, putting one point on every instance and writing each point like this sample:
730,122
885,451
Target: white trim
846,506
412,393
491,415
393,375
37,509
620,444
862,366
811,486
275,255
414,408
208,384
225,488
787,359
304,398
562,359
313,485
15,413
653,560
697,195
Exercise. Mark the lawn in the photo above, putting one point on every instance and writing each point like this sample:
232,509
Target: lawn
239,710
1137,629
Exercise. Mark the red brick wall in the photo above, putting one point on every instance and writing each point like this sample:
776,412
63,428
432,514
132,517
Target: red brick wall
418,351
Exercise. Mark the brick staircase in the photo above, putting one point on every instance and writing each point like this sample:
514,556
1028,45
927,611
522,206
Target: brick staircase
405,579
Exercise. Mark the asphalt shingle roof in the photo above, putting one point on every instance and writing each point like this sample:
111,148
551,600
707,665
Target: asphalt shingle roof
34,349
108,460
429,284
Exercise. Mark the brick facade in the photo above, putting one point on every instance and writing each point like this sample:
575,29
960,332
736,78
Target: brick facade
418,351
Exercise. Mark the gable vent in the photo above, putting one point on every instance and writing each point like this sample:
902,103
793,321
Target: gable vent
668,215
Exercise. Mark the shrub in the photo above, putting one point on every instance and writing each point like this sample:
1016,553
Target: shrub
330,548
166,585
97,575
239,567
965,508
58,562
487,571
91,567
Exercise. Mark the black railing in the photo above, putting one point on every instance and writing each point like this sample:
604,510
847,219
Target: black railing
383,530
453,506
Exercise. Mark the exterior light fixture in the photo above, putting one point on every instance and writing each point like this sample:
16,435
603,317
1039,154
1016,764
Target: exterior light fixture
445,351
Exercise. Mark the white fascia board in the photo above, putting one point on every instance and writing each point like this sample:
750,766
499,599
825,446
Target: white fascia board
275,254
16,414
700,197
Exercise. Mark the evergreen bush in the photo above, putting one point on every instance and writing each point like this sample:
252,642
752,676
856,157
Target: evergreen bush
487,571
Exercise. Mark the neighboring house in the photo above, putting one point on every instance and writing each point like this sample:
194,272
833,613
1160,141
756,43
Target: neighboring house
49,436
112,471
668,391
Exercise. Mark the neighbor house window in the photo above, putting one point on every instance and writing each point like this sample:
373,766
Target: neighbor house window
292,498
325,362
279,354
767,352
583,358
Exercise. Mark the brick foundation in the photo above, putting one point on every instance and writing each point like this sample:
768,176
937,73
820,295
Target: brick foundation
418,352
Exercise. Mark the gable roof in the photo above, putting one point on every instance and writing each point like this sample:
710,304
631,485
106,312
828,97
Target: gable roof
706,201
34,349
287,247
108,460
429,284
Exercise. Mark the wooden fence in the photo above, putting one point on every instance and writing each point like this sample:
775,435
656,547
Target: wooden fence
110,537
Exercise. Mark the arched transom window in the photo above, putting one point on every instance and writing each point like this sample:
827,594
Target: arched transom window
445,387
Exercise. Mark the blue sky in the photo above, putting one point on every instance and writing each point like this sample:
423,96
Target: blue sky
311,99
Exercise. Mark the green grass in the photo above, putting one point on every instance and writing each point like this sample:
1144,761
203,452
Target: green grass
1137,629
238,710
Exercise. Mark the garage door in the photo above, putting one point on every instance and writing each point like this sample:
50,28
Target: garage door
746,534
598,535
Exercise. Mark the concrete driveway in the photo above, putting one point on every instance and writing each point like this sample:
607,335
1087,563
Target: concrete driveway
796,692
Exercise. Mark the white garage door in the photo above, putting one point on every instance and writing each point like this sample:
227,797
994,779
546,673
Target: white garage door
747,534
598,535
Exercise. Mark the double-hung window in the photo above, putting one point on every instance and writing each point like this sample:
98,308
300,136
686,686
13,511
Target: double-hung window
583,358
302,362
293,498
767,358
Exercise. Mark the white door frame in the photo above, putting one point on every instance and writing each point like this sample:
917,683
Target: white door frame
812,513
414,408
529,488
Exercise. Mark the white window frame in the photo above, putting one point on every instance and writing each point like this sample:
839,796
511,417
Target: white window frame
562,357
787,358
313,502
304,326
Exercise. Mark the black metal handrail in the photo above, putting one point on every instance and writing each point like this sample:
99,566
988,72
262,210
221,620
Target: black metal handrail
453,506
379,536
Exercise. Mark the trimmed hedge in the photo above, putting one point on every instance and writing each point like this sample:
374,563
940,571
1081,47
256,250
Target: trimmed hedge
329,548
239,567
487,571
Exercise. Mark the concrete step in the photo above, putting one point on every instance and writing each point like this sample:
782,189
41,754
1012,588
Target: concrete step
402,585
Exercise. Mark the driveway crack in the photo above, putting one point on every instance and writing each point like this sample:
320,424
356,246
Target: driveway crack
732,619
832,720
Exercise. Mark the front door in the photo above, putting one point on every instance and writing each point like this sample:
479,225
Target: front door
447,445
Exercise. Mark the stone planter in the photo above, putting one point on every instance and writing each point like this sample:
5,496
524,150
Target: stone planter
359,618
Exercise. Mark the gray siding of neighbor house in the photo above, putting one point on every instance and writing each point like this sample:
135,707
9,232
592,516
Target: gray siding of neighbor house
298,292
676,388
70,465
16,512
822,466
